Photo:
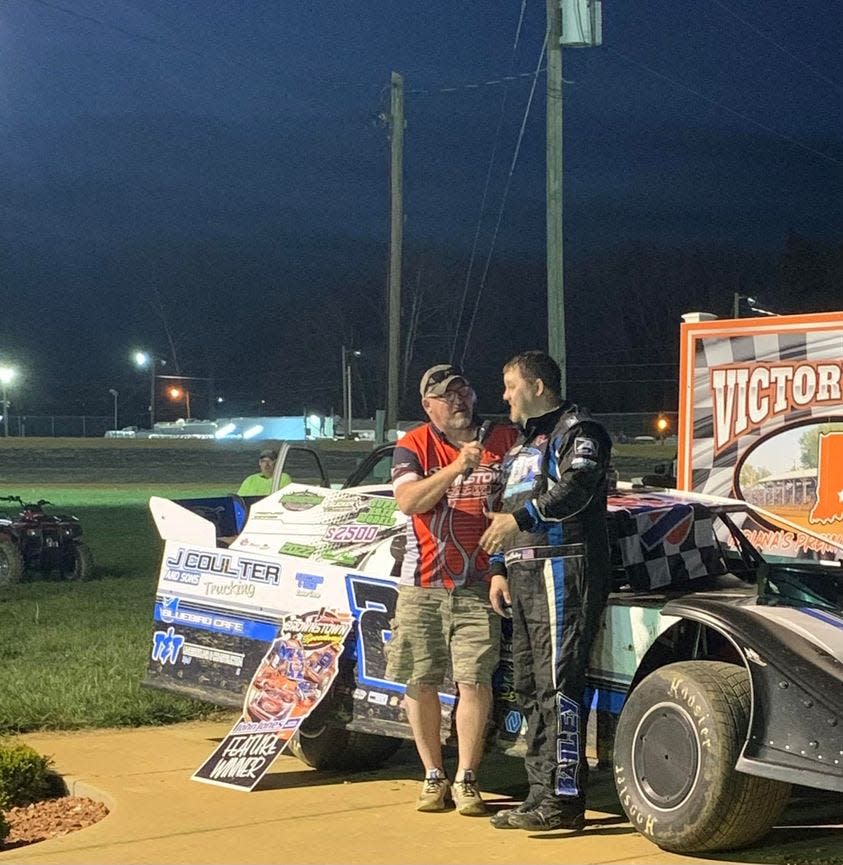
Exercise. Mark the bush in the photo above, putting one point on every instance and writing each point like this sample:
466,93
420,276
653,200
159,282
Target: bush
4,826
25,776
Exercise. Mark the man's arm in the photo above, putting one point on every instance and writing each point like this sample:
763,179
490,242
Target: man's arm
416,495
578,468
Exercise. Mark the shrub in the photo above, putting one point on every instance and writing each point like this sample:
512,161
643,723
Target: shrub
25,776
4,826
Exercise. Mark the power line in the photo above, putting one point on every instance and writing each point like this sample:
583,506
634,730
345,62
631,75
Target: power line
782,48
720,105
504,198
484,197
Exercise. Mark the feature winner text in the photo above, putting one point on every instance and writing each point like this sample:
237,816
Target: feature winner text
240,761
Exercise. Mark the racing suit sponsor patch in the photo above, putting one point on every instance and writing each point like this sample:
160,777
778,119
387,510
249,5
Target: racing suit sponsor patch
584,447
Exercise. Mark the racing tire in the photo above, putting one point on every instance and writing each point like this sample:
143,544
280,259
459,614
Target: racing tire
11,563
678,739
83,563
335,748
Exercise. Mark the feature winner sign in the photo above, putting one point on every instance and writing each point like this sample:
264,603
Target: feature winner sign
761,419
292,678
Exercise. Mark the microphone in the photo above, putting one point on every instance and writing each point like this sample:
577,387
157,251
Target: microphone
482,432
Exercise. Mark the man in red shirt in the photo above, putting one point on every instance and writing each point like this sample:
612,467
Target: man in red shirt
446,476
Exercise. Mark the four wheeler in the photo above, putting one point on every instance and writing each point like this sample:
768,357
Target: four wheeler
34,540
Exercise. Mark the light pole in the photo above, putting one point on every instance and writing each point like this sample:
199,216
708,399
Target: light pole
6,376
115,394
143,360
347,354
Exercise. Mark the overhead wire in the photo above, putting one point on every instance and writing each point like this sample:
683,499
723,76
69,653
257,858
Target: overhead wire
485,196
781,48
795,142
504,198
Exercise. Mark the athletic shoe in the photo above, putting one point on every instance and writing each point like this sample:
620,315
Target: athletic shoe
546,816
467,798
500,819
434,795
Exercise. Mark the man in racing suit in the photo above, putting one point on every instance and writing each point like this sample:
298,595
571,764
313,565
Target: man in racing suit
551,562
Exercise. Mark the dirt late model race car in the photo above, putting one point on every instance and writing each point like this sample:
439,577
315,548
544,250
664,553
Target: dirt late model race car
723,670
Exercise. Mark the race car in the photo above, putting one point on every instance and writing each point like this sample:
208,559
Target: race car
721,671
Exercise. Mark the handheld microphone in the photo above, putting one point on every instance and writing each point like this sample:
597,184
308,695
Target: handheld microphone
482,432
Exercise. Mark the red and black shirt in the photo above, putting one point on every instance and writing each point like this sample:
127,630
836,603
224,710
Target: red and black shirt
442,543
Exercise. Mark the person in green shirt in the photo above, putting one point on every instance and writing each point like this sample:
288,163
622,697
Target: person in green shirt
260,483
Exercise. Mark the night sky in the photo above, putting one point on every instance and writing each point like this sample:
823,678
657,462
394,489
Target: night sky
209,179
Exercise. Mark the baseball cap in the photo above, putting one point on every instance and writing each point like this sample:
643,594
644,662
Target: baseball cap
269,452
436,380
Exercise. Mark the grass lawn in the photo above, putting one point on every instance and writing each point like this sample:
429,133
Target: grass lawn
73,654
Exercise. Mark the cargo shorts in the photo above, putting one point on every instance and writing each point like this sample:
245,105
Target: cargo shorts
435,625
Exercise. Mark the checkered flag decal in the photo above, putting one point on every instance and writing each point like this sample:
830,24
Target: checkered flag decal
664,544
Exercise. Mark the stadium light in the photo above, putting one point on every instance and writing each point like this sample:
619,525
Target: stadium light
7,375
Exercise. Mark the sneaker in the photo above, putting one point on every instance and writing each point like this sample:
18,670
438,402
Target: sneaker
500,819
467,798
434,795
548,815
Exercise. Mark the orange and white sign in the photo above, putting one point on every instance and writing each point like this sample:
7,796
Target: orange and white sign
761,418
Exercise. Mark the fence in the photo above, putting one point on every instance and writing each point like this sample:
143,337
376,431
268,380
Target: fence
70,426
624,426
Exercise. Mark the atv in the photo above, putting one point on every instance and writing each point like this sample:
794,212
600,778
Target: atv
34,540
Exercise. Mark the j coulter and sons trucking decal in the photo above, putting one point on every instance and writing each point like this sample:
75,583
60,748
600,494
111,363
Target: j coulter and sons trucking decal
761,418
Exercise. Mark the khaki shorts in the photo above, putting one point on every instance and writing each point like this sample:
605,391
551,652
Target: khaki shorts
433,625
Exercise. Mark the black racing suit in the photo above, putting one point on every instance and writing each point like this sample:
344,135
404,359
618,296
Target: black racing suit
558,571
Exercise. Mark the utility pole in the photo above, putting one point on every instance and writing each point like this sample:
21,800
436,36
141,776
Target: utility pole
555,273
396,238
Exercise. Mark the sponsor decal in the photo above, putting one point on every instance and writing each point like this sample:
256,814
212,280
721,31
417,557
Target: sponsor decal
301,501
343,501
308,585
245,541
512,722
584,447
176,611
166,646
670,526
380,512
292,678
216,656
303,551
222,564
378,698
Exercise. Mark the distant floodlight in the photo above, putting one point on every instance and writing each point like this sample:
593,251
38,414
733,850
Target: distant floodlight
141,358
224,431
6,374
252,431
220,399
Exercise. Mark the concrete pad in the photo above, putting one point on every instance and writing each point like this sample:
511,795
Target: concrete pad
299,815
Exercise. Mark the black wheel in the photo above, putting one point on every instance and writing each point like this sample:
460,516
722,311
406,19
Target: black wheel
323,747
677,742
83,562
11,563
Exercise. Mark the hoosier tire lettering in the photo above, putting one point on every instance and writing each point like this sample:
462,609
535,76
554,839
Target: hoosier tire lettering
678,739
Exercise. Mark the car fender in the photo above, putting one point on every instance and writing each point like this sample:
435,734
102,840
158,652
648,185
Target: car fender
794,657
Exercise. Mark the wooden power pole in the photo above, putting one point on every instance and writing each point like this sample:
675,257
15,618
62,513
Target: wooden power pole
555,274
396,238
